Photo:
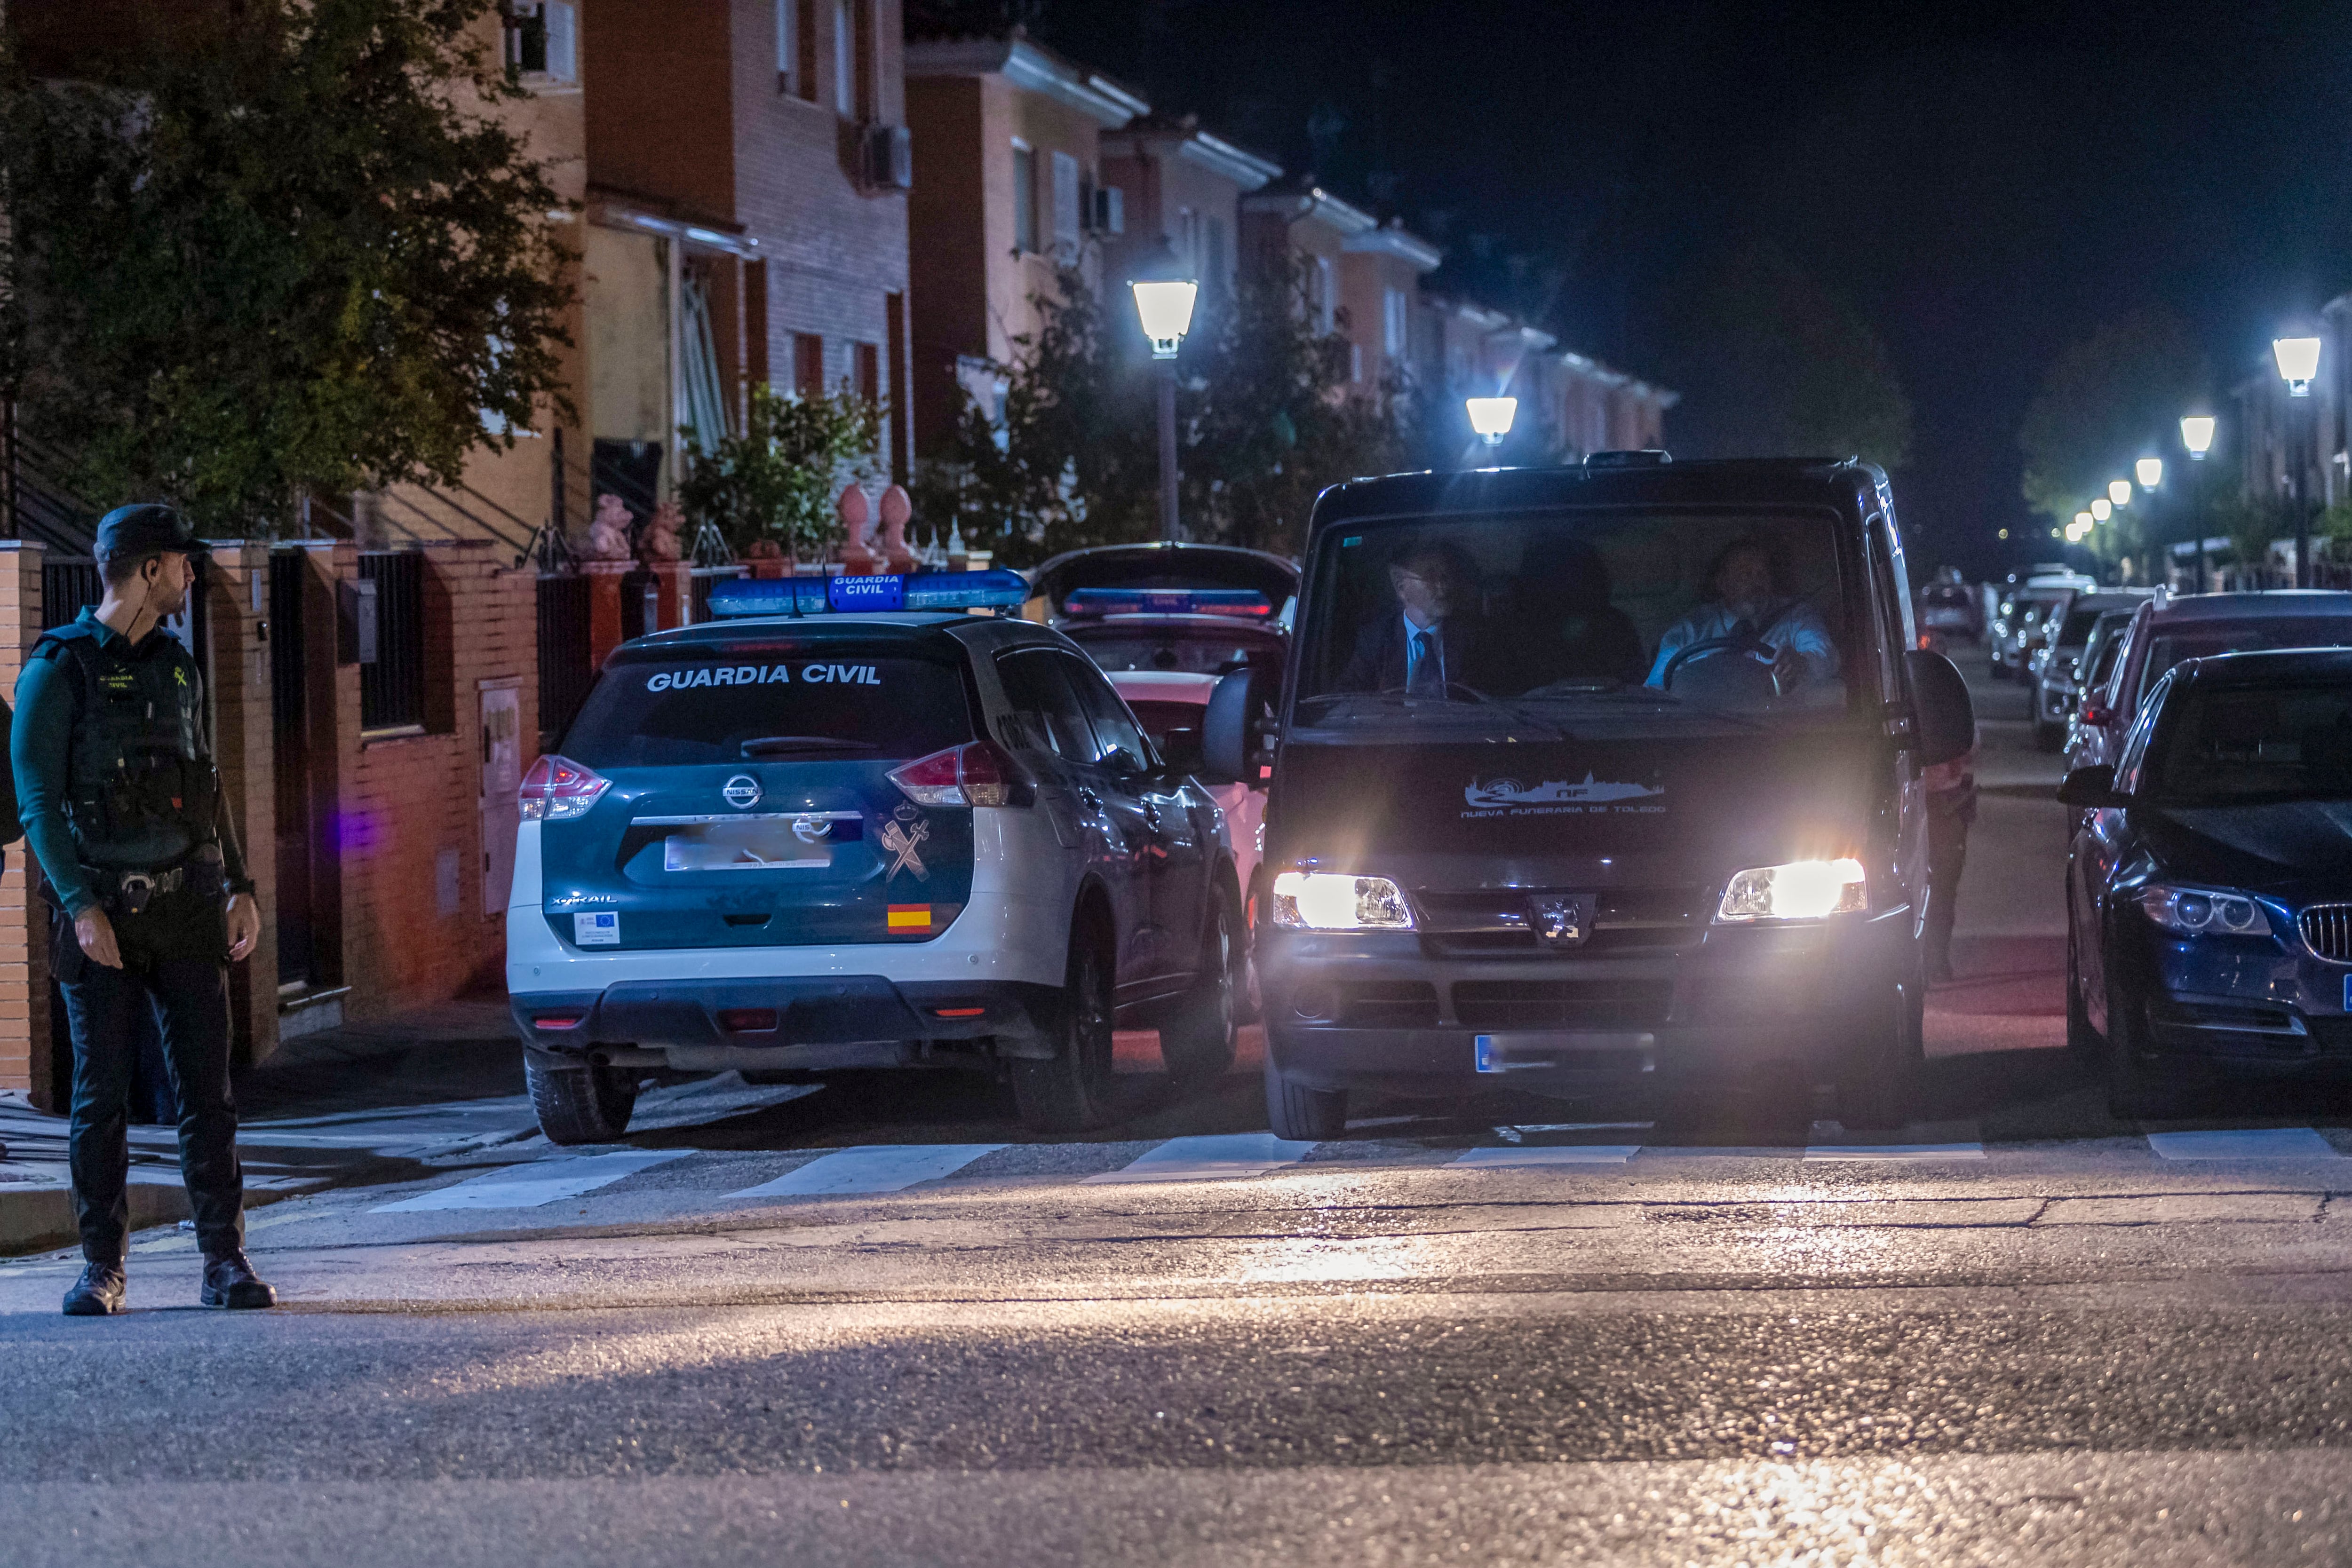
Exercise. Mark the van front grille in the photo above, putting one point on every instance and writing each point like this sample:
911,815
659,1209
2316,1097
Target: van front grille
2327,931
1561,1004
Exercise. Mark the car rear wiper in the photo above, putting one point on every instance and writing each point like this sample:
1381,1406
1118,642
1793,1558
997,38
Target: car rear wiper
777,745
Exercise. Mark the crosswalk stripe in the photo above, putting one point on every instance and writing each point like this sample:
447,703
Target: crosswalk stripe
1555,1154
871,1167
1896,1153
2245,1143
541,1181
1209,1158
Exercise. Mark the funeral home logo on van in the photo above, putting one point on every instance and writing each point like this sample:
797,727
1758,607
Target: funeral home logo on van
1510,798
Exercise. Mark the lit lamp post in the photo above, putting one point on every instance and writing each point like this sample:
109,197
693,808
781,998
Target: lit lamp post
1491,417
2102,509
2149,471
2298,366
1164,299
2197,435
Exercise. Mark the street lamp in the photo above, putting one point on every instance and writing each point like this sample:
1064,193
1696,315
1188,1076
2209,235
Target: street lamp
2298,365
2102,509
1164,299
1491,416
2197,435
2149,471
2080,529
2119,492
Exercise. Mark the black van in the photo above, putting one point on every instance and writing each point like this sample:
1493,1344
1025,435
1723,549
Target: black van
1595,780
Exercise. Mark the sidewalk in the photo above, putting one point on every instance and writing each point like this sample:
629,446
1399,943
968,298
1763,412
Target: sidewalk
389,1100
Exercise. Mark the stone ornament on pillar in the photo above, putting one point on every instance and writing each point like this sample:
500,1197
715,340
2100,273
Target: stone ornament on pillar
659,542
856,513
767,559
608,531
897,510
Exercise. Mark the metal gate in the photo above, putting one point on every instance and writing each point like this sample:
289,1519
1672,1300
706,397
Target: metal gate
565,670
290,757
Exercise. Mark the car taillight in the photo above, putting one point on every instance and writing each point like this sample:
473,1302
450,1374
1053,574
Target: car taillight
979,774
558,788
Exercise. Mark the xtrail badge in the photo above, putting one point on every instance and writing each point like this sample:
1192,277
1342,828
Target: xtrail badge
1562,919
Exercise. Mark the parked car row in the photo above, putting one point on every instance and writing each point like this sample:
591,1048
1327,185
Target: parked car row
2209,874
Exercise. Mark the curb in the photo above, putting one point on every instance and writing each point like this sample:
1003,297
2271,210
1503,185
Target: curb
36,1219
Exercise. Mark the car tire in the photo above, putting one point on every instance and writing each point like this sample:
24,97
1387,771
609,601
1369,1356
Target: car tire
1301,1114
1196,1042
589,1104
1071,1090
2132,1095
1879,1087
2083,1042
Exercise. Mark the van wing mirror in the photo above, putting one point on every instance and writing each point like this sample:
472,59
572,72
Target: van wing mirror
2092,788
1239,707
1946,713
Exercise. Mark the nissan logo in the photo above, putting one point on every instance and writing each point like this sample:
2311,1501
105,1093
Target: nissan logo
742,791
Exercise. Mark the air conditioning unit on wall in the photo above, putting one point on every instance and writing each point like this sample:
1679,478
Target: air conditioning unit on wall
890,158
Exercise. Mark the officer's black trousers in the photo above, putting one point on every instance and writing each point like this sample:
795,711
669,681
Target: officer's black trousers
172,959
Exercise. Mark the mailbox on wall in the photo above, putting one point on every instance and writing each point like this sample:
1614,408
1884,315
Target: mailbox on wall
355,622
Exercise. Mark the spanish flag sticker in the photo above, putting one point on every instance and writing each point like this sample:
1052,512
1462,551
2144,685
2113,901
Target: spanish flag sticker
910,917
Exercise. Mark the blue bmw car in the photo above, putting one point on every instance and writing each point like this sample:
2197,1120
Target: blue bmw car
2210,882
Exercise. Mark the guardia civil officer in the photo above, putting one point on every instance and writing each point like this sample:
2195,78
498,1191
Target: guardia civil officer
122,806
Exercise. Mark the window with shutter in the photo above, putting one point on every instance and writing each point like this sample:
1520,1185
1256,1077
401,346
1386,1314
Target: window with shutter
1025,199
1065,206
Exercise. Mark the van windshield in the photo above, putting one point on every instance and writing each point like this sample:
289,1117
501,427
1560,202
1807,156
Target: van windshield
1616,619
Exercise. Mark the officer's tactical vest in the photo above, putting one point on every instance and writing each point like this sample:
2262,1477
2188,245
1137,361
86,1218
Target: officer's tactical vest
138,767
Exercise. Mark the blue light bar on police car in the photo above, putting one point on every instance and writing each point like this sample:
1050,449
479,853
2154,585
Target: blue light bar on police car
1166,601
995,590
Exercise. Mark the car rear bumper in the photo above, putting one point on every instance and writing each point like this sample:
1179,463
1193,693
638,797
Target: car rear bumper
844,1020
1381,1013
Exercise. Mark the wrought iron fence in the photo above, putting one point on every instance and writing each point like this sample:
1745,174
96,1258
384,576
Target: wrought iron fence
566,668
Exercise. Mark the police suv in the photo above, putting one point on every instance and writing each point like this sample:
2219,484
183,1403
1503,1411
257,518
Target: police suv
852,824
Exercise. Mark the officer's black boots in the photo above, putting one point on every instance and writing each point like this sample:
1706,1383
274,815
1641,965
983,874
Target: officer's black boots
230,1281
97,1293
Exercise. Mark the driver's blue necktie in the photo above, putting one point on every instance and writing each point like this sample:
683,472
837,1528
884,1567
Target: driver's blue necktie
1428,678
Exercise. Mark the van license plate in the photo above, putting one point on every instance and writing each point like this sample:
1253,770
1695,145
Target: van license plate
766,845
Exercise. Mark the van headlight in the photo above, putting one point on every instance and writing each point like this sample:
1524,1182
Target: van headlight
1800,890
1328,900
2203,911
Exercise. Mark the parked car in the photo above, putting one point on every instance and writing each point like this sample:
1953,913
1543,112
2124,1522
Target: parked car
849,838
2018,630
2098,665
1566,860
1165,623
2166,630
2057,683
2210,882
1949,609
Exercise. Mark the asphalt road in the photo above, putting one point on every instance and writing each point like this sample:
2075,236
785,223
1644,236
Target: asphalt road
876,1325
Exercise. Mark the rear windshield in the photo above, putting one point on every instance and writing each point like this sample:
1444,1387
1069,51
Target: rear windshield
682,705
1199,651
2241,744
2168,648
2075,629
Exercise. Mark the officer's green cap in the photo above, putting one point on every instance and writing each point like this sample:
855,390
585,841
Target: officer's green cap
145,526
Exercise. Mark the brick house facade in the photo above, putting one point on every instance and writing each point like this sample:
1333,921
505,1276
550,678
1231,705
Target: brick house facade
1180,185
1007,164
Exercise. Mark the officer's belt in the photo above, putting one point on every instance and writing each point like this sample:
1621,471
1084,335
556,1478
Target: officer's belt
132,891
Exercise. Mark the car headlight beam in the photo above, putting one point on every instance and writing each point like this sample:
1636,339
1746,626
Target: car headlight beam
1800,890
1328,901
2203,911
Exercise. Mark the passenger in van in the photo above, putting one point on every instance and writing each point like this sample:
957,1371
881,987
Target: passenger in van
1568,629
1747,598
1432,636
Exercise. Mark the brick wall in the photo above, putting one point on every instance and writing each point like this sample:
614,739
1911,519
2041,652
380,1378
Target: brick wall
23,919
236,606
409,824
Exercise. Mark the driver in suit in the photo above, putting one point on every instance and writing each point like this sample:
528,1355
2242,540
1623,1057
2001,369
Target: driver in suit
1434,637
1747,600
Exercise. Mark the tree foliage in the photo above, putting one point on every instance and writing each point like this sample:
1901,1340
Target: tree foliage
1773,365
289,247
2114,396
1267,417
780,478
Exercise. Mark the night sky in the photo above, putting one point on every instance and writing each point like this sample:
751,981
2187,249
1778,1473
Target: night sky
1987,182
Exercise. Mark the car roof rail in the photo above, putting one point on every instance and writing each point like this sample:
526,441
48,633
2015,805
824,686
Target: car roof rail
1644,457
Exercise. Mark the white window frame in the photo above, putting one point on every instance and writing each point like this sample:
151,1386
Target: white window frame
1025,201
788,44
1066,174
1393,323
844,59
